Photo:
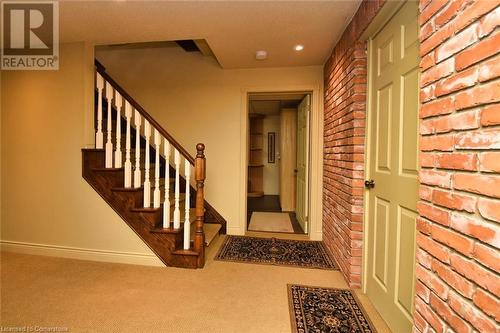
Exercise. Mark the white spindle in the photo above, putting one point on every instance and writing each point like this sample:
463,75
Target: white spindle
147,184
166,203
156,192
109,144
99,138
128,164
177,212
187,224
137,171
118,151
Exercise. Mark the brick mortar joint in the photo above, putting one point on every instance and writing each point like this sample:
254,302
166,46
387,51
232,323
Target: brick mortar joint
452,251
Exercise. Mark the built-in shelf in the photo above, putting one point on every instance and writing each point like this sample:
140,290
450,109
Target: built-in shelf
255,194
255,158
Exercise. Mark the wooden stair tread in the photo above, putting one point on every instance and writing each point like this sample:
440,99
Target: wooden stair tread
186,252
146,210
211,231
94,149
255,194
107,169
127,189
170,230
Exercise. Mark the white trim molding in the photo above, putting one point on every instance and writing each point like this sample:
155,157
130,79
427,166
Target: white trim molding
316,156
133,258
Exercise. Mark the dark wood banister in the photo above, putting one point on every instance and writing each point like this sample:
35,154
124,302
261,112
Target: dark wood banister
102,70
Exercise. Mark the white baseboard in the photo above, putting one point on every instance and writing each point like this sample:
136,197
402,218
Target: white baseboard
81,253
235,231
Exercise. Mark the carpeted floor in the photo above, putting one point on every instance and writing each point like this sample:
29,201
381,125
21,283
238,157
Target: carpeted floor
274,251
86,296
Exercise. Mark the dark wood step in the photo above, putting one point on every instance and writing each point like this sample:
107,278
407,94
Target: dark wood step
107,169
186,252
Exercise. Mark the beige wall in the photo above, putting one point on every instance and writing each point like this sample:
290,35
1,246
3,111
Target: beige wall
271,123
47,207
47,117
1,150
196,101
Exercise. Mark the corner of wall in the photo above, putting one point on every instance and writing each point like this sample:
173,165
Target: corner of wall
88,97
342,186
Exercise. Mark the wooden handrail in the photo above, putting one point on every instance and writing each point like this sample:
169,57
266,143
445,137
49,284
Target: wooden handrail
102,70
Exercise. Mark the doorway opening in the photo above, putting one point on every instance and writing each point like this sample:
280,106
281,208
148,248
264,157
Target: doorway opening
278,162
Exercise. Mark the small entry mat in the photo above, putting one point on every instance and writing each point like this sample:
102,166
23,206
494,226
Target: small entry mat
273,251
273,222
316,309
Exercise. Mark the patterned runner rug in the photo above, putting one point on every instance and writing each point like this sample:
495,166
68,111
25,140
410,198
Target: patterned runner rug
315,309
273,251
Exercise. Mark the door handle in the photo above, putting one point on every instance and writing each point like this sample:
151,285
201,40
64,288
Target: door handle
370,183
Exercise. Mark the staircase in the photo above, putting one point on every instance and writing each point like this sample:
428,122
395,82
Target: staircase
149,179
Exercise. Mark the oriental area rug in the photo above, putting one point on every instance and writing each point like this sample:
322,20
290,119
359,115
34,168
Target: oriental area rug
273,251
315,309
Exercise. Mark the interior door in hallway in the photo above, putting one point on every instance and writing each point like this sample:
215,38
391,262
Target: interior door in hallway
392,165
302,162
288,149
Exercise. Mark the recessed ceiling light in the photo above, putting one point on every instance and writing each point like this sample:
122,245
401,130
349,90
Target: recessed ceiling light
261,55
298,47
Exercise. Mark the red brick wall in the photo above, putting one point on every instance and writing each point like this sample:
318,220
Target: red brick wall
344,137
458,239
459,231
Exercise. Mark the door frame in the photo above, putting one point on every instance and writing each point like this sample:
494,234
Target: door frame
378,23
308,164
315,157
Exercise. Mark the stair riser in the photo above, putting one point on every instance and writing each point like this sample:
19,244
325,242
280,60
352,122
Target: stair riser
153,220
139,203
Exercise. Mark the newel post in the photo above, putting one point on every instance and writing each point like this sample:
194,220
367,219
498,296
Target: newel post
200,172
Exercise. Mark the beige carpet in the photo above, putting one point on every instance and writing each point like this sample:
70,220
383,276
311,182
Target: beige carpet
273,222
87,296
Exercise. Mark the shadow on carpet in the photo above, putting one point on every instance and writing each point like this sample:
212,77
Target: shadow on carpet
315,309
273,251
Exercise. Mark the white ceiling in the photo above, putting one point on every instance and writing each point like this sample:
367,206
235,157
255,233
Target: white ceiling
235,30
